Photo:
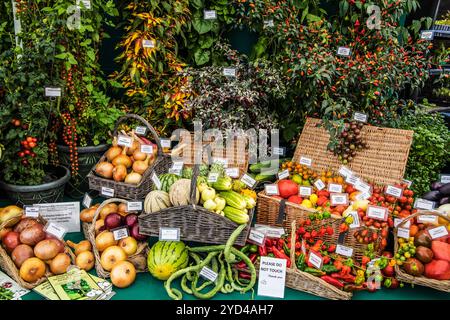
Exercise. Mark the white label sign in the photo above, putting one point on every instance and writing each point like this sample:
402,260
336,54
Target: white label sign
166,143
249,181
147,148
279,151
87,201
427,219
344,251
64,214
208,274
31,212
271,189
319,184
356,222
268,24
56,230
423,204
229,72
339,199
209,14
315,259
86,3
397,221
403,233
343,51
362,186
222,161
394,191
124,141
363,196
156,181
375,212
120,233
407,182
52,92
271,232
427,35
148,43
305,161
283,174
352,179
213,176
334,188
305,191
134,206
257,237
438,232
345,172
272,277
169,234
361,117
107,192
232,172
140,130
177,167
445,178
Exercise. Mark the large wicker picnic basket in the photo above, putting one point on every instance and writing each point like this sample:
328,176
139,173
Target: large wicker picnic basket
401,275
195,222
129,191
7,264
139,259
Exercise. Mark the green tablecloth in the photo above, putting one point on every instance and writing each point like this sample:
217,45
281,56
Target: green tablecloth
148,288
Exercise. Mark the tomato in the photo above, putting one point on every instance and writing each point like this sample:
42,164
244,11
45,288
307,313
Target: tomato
27,152
21,154
29,139
410,200
32,144
403,199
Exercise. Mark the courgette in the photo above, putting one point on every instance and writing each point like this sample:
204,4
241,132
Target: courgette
258,167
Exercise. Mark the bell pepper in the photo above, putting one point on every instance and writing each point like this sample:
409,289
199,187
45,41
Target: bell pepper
332,281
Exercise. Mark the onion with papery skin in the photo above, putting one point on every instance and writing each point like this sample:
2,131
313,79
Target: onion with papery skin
123,159
46,249
138,155
104,240
142,165
113,152
60,263
80,247
87,215
100,223
133,178
59,243
119,173
25,223
104,169
11,240
109,208
21,253
111,256
3,232
85,260
32,269
134,146
32,235
122,209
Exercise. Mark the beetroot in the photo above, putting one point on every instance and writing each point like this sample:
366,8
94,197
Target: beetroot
438,269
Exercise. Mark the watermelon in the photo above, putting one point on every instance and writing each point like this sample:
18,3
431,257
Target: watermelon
187,173
166,258
204,170
167,180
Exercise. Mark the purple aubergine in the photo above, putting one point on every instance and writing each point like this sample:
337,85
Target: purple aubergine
432,195
444,200
436,185
445,189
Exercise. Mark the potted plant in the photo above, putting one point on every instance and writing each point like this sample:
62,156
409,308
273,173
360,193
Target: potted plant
85,115
25,174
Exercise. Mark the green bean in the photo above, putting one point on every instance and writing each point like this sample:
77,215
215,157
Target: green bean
175,293
219,247
231,240
219,283
184,285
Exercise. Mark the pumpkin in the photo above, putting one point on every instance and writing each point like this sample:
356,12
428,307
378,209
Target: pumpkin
156,201
179,193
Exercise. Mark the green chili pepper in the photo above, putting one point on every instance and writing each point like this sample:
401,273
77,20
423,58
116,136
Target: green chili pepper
314,272
253,248
329,268
301,262
245,248
271,255
286,250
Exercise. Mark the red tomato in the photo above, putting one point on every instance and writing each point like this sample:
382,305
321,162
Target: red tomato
295,199
287,188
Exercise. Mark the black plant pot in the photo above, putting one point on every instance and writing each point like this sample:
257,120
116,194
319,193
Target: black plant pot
47,192
87,157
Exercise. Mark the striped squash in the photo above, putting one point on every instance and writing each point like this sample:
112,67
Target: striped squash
166,258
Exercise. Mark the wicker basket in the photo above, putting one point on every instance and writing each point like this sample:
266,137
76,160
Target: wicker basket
7,265
139,259
441,285
195,222
128,191
187,149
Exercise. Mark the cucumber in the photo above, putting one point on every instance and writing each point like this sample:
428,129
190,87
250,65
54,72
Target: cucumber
236,215
258,167
265,177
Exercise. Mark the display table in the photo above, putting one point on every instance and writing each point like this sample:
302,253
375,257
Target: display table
148,288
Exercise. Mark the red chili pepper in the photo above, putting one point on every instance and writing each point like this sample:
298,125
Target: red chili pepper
338,264
262,251
241,265
365,260
244,275
298,245
281,255
268,242
332,281
332,248
253,257
280,242
326,260
345,270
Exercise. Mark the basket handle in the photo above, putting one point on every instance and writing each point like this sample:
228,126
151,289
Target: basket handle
193,191
293,229
420,213
146,123
99,208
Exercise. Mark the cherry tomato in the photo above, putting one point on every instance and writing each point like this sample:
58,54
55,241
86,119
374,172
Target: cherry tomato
32,144
29,139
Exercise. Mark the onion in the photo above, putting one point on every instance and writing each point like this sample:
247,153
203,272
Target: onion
109,208
80,247
32,269
21,253
87,215
104,240
119,173
134,146
138,155
25,223
133,178
85,260
60,263
122,159
99,224
122,209
113,152
104,169
46,249
141,166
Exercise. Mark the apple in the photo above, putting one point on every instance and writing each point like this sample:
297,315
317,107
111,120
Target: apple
129,245
123,274
11,240
111,256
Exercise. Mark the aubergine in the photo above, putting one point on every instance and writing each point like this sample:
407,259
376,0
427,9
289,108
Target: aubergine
436,185
432,195
445,189
444,200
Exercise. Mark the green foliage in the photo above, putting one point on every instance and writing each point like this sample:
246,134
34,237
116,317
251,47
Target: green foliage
430,148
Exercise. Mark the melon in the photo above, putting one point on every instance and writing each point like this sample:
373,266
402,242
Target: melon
179,193
167,180
156,201
166,258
